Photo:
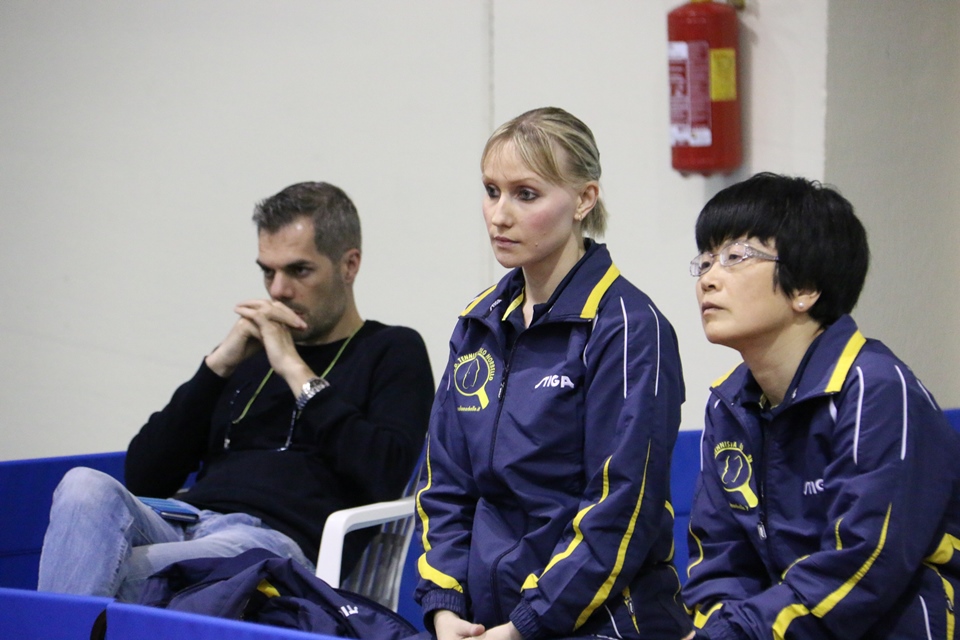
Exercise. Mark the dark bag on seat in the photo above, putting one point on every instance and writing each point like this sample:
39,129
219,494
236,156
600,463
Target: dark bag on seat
260,586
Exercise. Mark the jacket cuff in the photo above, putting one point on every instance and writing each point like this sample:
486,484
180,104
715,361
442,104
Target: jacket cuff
527,622
438,599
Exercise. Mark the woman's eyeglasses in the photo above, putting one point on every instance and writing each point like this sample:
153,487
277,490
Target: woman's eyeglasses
728,255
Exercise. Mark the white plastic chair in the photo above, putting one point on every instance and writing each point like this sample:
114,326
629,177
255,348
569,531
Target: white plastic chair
380,568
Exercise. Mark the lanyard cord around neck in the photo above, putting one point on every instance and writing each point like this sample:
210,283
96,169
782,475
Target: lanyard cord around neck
226,438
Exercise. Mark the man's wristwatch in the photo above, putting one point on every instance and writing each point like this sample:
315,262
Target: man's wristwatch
310,388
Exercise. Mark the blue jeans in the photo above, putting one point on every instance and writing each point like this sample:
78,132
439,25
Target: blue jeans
103,541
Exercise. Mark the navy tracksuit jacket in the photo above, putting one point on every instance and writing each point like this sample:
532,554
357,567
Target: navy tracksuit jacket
545,497
835,514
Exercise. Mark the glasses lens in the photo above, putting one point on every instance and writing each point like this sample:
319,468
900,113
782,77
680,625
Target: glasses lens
732,254
700,264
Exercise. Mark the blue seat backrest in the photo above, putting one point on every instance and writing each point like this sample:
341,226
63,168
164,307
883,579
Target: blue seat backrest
51,616
953,415
26,488
683,478
26,491
406,605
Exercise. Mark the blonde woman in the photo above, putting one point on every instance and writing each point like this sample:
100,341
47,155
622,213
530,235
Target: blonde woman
544,503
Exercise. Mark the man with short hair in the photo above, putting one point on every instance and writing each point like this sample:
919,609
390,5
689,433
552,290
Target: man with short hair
303,409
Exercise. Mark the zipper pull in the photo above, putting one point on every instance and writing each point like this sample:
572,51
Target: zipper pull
761,531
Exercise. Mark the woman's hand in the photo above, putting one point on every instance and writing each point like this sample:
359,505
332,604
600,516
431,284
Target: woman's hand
450,626
503,632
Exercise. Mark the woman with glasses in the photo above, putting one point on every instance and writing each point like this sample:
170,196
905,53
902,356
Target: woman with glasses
828,502
544,504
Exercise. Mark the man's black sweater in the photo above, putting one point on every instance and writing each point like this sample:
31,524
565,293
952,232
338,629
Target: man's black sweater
355,442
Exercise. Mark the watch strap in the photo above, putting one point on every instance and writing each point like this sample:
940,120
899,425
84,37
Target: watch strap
311,388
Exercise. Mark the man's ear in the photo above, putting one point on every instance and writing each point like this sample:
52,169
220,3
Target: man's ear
350,265
804,299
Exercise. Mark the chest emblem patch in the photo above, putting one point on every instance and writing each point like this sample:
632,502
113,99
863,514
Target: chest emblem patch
736,470
471,374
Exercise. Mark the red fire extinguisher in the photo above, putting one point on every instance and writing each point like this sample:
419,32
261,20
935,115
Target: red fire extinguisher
704,97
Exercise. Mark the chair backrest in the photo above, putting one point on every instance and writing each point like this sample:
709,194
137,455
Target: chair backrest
379,572
953,416
683,477
26,491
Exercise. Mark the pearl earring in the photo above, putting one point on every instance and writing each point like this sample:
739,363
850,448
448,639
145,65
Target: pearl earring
801,305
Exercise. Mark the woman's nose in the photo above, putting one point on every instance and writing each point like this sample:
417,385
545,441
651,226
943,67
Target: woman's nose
708,279
499,213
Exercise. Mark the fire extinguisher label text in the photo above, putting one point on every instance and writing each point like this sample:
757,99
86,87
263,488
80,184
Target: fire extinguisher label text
690,93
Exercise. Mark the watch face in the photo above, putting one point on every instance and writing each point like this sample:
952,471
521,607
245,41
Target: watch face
314,385
311,388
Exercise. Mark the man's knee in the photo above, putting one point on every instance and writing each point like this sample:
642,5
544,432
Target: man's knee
82,486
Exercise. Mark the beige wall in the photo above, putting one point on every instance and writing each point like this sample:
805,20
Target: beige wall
893,148
135,138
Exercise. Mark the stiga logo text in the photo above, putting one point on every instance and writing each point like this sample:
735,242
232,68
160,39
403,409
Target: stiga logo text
813,487
554,381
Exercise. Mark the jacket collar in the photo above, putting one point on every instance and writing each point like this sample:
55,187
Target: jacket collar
576,298
821,372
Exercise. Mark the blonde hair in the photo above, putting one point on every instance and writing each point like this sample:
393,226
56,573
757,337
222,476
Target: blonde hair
538,136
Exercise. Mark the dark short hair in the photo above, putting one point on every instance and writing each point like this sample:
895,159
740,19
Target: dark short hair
821,243
336,223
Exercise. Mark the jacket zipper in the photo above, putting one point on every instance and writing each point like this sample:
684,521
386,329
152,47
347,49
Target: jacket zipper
501,392
762,488
494,575
761,475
